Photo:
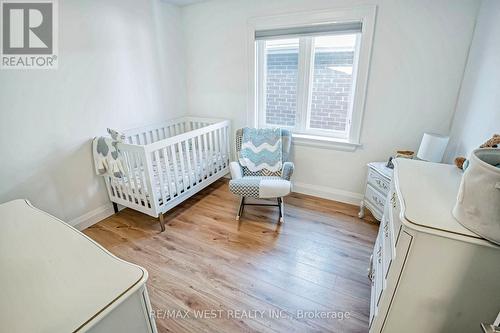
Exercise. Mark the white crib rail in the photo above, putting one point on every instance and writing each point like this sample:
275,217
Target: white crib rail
156,132
135,188
148,134
193,160
169,162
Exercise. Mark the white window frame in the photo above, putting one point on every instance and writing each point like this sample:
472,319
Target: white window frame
255,108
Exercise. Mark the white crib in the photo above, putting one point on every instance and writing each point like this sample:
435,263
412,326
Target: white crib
167,163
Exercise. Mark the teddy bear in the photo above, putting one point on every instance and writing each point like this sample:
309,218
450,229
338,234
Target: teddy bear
462,163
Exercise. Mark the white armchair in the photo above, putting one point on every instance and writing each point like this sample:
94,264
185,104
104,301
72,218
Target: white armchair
246,183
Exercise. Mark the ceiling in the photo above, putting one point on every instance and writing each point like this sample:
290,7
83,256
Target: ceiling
182,2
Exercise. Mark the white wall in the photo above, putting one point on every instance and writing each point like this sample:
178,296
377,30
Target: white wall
419,52
120,65
477,116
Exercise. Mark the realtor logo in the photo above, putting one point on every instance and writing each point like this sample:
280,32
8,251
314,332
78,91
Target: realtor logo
29,34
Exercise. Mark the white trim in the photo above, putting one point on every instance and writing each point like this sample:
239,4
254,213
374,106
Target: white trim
304,88
366,14
324,142
326,192
363,68
261,64
88,219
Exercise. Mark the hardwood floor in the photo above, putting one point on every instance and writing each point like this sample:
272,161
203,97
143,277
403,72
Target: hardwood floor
254,276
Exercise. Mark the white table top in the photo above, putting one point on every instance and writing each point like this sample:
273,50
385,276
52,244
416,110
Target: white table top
52,277
429,191
382,168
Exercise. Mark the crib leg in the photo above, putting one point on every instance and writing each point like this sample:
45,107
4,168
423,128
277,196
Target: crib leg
162,222
115,207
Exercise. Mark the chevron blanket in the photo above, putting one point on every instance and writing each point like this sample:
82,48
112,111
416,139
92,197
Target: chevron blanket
261,149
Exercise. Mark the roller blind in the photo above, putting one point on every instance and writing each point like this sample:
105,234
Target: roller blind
317,29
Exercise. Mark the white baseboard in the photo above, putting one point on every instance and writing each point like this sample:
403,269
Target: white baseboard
92,217
326,192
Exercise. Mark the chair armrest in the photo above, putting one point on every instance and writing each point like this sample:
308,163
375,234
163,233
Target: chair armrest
287,170
235,169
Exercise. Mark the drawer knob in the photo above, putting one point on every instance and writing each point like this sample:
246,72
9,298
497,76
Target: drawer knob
381,183
377,201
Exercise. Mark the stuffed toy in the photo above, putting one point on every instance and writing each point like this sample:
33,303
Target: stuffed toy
494,142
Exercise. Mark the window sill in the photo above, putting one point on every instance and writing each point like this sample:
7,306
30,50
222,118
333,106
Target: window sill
324,142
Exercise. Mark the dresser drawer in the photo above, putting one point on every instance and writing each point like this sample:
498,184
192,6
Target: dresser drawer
383,302
375,200
378,182
377,274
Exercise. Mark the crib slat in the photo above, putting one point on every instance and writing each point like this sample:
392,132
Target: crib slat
205,155
141,184
200,157
145,182
115,187
196,163
124,188
168,173
176,169
226,143
211,152
135,176
217,151
183,166
190,169
159,170
222,151
131,181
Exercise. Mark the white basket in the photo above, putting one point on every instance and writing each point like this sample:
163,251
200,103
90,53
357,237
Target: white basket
478,201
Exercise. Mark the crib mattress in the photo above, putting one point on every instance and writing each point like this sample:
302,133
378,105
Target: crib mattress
199,170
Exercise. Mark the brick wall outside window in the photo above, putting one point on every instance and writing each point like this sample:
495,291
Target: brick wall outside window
281,87
331,89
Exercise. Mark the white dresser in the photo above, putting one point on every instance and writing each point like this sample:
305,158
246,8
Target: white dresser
55,279
430,274
378,181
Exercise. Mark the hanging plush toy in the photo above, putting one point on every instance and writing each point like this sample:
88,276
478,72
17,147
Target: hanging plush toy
494,142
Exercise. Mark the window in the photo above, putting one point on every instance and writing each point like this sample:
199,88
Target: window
331,79
311,76
280,82
314,95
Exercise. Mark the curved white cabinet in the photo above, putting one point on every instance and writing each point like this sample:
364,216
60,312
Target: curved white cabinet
55,279
429,273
